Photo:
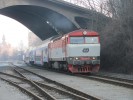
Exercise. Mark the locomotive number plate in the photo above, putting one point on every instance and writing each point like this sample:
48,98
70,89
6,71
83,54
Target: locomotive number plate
85,50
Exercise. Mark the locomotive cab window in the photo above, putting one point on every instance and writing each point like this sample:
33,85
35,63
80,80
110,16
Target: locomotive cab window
82,40
91,39
76,40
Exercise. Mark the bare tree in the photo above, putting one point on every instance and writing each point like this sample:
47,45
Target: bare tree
117,48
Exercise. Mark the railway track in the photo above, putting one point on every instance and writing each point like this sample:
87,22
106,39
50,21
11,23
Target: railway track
104,78
113,77
42,88
24,85
108,79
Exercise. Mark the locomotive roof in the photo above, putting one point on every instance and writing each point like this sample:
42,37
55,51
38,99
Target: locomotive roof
81,32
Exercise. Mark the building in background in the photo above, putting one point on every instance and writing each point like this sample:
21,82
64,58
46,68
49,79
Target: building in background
10,53
6,50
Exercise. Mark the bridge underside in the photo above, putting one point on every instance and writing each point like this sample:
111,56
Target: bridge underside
42,21
47,21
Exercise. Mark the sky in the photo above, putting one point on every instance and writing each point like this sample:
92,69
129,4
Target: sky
14,31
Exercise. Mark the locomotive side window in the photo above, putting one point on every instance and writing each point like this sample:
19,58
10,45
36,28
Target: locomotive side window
91,39
76,40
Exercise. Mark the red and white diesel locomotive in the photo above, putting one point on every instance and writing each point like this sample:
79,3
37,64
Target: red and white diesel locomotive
77,52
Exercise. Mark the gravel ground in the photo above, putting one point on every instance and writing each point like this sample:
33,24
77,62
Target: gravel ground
103,90
106,91
123,76
8,92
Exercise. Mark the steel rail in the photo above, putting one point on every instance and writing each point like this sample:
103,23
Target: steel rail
76,97
108,80
43,92
22,89
72,90
114,78
19,73
95,74
105,79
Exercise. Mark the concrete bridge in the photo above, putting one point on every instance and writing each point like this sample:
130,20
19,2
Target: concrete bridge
47,18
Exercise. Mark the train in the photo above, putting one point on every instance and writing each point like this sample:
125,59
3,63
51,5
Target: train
77,52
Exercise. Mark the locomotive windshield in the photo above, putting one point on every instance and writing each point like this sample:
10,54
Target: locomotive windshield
76,40
82,40
91,39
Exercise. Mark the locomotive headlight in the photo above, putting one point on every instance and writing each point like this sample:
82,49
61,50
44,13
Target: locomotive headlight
93,58
76,58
